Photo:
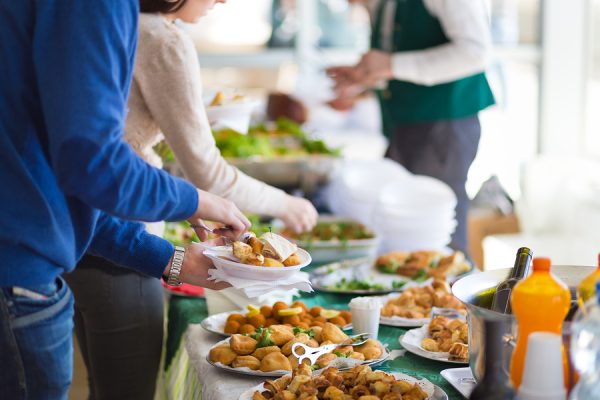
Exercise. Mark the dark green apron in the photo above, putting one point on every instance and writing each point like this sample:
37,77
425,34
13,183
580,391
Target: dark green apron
405,102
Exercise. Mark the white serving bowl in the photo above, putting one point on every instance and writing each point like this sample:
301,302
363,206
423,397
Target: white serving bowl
418,191
239,270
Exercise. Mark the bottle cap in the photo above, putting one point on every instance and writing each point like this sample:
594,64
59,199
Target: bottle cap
541,264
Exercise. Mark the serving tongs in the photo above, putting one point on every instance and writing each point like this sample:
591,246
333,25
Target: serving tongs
313,353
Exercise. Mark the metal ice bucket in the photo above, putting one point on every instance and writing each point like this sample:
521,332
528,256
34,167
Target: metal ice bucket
475,292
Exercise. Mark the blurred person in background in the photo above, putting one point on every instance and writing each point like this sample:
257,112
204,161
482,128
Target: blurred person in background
72,185
117,308
427,63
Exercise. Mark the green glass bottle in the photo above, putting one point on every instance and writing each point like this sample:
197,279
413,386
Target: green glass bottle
501,301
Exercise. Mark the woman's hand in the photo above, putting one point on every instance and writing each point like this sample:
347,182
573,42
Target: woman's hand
301,215
218,209
196,266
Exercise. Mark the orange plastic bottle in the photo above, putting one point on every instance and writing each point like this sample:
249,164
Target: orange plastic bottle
540,303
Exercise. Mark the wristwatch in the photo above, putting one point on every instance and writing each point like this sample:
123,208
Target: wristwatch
172,278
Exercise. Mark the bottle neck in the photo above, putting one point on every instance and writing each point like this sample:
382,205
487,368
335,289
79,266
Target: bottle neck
522,265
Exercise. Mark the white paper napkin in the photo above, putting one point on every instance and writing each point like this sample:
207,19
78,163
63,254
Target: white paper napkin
256,288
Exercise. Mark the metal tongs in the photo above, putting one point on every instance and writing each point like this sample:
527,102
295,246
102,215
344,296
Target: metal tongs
313,353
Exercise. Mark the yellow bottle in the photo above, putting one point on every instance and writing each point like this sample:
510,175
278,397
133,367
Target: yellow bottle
540,303
587,287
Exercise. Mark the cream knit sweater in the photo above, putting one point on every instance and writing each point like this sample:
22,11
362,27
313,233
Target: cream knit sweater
166,99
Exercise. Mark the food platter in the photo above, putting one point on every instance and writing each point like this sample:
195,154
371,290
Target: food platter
360,273
434,391
411,342
341,364
216,323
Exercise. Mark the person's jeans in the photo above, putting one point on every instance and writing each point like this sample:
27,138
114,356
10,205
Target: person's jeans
36,346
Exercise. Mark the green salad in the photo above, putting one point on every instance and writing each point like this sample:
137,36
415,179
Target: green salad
285,138
342,231
362,284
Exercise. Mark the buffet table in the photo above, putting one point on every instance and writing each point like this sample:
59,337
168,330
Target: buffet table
188,375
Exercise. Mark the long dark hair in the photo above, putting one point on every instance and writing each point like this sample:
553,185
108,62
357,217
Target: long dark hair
161,6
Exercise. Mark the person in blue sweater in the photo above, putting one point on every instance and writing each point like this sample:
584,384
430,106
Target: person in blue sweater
71,185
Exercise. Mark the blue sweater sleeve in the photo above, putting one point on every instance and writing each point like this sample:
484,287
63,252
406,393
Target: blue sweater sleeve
126,243
83,52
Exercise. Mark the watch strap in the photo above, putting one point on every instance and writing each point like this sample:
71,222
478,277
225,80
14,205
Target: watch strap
176,264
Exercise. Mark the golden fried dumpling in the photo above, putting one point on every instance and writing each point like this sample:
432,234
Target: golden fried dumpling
292,260
242,345
241,250
256,244
298,380
246,361
459,351
303,369
371,349
261,352
300,338
318,330
415,393
222,354
253,259
275,362
357,356
401,386
333,333
333,393
285,395
325,360
430,345
271,262
258,396
281,334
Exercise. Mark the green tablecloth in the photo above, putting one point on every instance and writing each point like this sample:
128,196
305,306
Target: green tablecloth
184,311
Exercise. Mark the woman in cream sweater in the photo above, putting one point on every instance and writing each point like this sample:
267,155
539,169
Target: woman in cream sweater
119,313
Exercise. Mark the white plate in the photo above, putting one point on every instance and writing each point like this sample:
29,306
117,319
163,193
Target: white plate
434,392
412,339
349,363
461,379
239,270
216,323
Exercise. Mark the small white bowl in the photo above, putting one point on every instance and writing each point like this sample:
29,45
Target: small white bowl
259,273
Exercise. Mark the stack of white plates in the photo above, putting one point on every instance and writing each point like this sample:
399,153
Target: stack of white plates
408,212
415,214
354,189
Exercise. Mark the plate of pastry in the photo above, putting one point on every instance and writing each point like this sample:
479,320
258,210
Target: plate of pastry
297,314
443,339
356,383
268,352
269,257
414,306
431,263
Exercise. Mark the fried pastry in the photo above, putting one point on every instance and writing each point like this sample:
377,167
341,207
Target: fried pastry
281,334
371,349
222,354
292,260
246,361
333,333
271,262
261,352
242,345
275,362
459,351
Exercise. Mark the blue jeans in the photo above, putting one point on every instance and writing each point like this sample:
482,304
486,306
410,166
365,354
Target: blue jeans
36,350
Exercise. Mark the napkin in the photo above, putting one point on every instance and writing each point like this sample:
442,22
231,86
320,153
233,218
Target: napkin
256,288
